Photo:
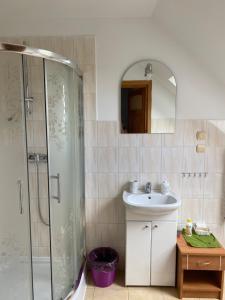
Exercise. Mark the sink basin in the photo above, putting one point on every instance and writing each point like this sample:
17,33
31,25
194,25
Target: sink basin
151,204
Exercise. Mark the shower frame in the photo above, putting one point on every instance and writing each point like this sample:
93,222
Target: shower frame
25,50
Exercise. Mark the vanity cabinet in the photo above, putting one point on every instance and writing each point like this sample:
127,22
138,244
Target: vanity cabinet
150,253
163,253
138,245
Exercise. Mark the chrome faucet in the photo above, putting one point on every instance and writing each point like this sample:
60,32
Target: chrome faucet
148,188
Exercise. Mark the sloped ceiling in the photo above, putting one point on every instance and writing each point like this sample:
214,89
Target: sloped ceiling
200,27
77,8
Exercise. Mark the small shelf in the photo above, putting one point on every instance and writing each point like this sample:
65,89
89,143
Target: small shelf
202,281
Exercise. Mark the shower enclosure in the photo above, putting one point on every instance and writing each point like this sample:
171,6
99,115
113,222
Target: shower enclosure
42,244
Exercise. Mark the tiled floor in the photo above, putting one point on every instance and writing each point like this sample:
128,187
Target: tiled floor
118,291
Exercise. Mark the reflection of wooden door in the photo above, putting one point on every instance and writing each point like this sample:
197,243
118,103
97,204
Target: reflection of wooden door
138,106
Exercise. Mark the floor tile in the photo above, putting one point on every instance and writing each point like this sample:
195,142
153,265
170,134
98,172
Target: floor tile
118,291
89,293
110,294
145,293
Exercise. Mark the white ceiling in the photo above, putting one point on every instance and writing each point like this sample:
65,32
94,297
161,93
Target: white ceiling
199,25
77,8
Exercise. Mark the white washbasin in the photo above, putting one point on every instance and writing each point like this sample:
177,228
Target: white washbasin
151,204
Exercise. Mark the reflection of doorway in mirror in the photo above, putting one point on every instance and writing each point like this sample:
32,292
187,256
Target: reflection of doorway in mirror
136,106
160,108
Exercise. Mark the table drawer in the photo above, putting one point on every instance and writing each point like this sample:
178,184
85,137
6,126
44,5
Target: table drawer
195,262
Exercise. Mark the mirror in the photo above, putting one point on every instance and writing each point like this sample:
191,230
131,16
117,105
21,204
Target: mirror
148,98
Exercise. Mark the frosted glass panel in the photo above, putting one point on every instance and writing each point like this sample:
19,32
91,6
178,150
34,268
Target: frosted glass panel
15,260
62,94
80,197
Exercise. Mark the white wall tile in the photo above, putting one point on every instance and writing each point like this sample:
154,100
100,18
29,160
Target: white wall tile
107,185
107,159
43,251
43,185
43,235
214,185
151,140
129,140
193,161
92,236
89,79
191,208
213,211
172,159
129,159
175,139
112,235
91,185
107,210
91,212
190,129
216,133
89,106
107,134
218,231
215,159
119,211
175,181
192,187
34,234
90,131
150,160
91,158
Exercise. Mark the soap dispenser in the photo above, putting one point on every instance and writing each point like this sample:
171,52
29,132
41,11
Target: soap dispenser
165,187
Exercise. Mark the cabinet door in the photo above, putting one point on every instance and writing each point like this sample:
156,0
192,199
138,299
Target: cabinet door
138,247
163,254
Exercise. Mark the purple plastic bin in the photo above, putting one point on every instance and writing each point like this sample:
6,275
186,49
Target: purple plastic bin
103,262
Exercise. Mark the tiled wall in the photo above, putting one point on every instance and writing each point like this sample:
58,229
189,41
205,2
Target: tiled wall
82,50
112,159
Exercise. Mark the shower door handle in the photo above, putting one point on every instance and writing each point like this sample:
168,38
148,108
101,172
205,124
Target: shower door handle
58,197
20,190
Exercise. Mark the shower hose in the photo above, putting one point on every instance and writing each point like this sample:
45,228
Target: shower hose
38,192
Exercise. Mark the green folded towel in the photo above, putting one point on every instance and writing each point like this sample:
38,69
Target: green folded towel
201,241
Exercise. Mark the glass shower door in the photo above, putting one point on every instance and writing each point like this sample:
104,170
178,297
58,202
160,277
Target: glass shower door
62,126
15,256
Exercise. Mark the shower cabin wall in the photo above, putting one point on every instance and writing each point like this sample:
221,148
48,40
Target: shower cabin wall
45,208
82,50
36,142
15,263
34,90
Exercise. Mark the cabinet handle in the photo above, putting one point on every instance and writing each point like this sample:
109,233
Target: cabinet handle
146,226
203,263
155,226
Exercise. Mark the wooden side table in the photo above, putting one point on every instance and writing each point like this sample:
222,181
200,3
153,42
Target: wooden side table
200,271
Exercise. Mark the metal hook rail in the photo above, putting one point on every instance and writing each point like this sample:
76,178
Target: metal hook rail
194,174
